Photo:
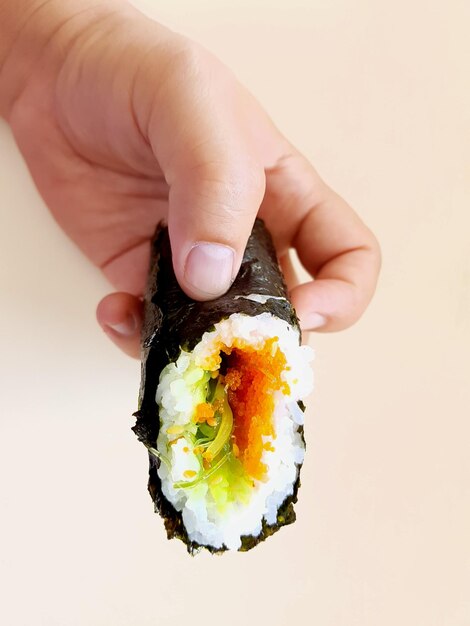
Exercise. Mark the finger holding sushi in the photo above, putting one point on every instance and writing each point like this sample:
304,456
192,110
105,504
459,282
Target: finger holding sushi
120,316
143,125
333,244
343,257
216,171
217,184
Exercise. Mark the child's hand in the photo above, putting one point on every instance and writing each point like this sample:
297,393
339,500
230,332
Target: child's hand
123,123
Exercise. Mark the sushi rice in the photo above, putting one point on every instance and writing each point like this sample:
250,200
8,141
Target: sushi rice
227,469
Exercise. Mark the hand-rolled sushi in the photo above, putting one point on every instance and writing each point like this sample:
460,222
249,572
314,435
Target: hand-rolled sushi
220,406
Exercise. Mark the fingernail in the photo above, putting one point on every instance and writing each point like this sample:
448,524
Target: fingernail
126,328
313,320
209,268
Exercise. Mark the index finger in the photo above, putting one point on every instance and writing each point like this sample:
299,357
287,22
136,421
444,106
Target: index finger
334,245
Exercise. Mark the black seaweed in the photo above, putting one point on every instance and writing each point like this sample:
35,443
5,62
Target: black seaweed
173,321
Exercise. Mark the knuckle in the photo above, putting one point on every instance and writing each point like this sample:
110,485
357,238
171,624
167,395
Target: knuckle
236,188
188,59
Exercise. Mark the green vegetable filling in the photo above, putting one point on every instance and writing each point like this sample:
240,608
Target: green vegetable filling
212,445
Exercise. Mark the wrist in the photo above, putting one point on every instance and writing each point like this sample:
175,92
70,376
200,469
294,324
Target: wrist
35,37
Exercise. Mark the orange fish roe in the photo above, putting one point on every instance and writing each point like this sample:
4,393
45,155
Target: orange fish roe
204,413
252,378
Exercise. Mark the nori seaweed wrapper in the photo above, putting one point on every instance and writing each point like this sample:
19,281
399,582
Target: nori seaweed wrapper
173,321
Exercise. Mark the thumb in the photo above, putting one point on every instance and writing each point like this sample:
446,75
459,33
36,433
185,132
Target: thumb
213,205
200,134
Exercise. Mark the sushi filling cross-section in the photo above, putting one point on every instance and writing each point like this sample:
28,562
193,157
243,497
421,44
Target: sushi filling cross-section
229,443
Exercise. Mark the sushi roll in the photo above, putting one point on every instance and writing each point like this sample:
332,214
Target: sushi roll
220,404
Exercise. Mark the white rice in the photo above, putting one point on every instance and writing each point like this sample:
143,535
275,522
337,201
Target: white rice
177,396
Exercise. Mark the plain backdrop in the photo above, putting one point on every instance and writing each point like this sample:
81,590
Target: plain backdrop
376,94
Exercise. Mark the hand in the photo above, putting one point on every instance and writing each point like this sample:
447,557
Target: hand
123,123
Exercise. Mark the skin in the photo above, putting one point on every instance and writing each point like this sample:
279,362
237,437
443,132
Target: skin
123,123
